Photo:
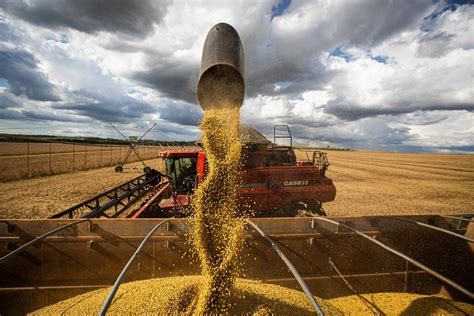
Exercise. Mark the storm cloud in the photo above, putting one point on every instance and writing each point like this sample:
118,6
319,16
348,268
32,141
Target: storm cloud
134,18
8,100
106,108
391,75
353,113
182,113
175,79
20,69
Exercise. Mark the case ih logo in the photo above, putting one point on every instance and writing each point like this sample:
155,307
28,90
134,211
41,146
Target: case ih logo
295,183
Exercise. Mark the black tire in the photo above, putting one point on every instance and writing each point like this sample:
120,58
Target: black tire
304,208
118,169
153,173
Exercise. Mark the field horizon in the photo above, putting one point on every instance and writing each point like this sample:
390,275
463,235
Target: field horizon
367,183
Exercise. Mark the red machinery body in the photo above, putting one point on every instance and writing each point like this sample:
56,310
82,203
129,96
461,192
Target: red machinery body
272,181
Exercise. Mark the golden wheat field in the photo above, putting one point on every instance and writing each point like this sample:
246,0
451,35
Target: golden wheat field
43,196
380,183
368,183
28,160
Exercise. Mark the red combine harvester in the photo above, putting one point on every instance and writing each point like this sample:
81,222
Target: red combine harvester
273,181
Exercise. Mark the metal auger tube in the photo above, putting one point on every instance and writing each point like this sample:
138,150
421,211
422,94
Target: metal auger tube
221,78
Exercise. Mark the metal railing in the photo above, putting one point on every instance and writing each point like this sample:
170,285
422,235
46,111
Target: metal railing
416,263
299,279
122,274
38,239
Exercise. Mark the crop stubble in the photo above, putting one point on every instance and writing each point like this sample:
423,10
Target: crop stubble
367,183
28,160
44,196
379,183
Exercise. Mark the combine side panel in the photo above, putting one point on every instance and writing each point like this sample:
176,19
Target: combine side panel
271,188
299,183
253,191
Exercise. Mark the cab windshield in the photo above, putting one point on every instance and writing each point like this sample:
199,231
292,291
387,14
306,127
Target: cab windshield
182,173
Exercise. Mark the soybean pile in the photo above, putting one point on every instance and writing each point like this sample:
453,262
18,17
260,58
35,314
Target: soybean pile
218,231
175,296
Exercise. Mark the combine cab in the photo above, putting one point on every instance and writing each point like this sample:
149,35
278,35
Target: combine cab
273,182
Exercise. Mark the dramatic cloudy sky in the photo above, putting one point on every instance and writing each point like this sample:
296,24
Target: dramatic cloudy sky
388,75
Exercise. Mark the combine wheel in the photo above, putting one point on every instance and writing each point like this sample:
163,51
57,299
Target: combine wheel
118,169
310,208
152,173
154,212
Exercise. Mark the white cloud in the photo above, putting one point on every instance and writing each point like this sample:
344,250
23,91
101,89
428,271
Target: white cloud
424,86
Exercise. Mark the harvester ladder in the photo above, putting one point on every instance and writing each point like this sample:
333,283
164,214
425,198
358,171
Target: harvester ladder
281,135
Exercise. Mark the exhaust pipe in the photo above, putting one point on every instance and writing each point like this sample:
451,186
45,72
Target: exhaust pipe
221,78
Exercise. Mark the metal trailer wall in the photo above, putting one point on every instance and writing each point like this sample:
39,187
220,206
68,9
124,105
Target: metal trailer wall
91,254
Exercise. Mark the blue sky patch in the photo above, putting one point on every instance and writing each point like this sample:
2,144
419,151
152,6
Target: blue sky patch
299,98
282,85
64,39
338,52
280,7
381,59
4,83
451,5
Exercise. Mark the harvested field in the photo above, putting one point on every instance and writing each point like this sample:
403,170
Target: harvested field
379,183
368,183
41,197
29,160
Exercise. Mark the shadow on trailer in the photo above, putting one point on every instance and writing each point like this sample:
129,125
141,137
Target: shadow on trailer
333,256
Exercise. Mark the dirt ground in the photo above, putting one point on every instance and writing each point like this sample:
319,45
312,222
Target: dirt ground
28,160
377,183
43,196
368,183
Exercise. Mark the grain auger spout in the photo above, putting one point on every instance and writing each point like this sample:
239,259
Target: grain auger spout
221,79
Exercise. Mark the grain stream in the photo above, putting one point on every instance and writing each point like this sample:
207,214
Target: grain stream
218,232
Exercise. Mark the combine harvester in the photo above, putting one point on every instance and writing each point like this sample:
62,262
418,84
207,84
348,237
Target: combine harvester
138,230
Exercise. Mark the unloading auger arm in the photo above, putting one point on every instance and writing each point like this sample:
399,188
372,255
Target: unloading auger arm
221,78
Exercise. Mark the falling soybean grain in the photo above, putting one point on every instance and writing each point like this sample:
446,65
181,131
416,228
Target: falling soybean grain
218,231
